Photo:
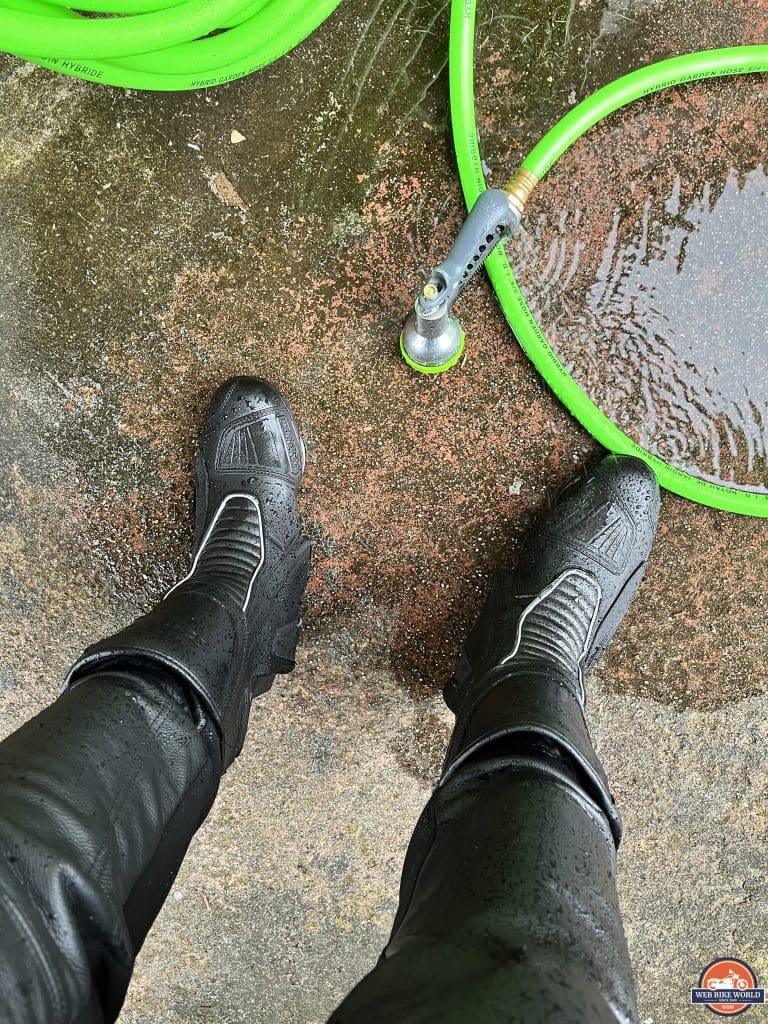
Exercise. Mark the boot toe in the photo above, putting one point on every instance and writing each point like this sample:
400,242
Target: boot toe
632,483
606,521
241,395
250,428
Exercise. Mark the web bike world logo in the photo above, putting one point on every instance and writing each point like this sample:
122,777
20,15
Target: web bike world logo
728,987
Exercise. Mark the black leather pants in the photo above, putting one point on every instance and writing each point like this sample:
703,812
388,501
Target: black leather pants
508,911
508,906
100,796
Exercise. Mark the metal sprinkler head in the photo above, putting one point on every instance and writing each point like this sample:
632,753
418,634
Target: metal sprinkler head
432,340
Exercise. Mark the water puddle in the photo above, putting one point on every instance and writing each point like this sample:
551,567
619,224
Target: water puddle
666,329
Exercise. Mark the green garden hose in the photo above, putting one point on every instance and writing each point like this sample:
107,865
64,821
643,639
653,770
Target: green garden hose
691,67
158,44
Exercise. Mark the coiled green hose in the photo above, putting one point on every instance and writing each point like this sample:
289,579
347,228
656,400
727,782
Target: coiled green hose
158,44
691,67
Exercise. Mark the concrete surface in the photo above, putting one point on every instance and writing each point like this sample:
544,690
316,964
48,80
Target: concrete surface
144,257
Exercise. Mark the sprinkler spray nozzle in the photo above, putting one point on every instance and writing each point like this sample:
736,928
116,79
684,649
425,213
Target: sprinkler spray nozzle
432,340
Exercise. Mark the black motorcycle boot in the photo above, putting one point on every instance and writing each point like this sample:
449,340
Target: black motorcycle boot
547,622
233,621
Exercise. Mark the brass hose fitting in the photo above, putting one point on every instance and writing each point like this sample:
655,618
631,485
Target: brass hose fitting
519,187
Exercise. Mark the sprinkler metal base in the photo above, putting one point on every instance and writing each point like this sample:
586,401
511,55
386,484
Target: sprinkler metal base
429,346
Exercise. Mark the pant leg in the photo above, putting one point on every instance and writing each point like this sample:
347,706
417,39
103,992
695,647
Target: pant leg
100,796
508,906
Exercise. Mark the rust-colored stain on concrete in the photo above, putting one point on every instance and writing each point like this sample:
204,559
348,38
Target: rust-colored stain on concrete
417,488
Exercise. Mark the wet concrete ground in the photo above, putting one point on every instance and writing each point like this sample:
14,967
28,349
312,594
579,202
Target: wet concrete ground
144,257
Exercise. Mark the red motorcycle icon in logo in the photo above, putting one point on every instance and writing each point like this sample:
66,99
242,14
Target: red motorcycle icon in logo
728,975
